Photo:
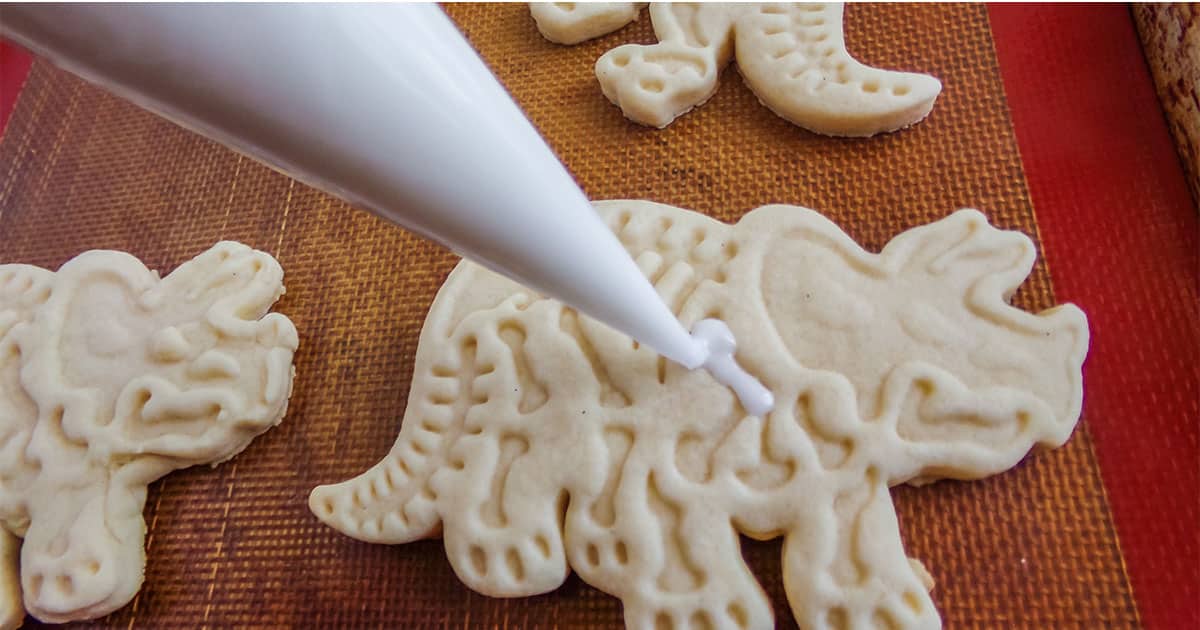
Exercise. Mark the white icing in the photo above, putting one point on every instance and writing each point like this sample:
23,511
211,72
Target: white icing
719,346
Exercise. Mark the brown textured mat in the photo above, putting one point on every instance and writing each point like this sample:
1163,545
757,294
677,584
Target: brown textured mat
236,546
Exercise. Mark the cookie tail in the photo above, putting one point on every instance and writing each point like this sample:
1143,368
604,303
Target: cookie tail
390,503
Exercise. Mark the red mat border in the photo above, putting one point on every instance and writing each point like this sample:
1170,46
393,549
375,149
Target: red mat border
1041,49
14,67
1119,231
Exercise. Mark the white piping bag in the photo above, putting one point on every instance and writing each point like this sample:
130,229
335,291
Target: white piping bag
383,105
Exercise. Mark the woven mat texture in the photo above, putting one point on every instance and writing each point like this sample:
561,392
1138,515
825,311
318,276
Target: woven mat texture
237,546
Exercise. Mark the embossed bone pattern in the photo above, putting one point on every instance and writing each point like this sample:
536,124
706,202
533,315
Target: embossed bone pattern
111,378
535,440
793,56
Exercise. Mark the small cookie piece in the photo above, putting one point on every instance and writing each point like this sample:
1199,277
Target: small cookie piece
793,56
111,378
535,439
574,22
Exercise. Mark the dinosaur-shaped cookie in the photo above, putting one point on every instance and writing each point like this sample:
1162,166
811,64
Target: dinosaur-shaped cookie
110,378
535,439
793,56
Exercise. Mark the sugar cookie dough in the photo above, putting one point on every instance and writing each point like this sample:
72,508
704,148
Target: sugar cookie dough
793,56
535,439
111,378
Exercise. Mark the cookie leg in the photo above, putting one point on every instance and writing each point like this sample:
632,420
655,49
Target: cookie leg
503,516
73,565
653,85
845,567
12,613
673,562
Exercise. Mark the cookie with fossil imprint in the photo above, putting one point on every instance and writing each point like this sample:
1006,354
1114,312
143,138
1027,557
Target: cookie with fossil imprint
538,441
110,378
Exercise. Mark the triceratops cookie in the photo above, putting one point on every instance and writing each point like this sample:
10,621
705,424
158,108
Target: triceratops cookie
792,55
536,439
110,378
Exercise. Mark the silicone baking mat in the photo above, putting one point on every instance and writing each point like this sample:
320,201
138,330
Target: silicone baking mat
236,546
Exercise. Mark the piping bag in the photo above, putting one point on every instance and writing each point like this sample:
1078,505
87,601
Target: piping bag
389,108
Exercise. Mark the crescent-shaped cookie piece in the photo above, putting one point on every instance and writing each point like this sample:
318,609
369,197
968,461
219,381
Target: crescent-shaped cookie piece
794,58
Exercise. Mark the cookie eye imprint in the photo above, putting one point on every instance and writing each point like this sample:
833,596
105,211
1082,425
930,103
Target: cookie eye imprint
536,441
793,57
111,378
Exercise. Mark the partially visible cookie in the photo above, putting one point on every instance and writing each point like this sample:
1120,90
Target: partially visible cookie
111,378
23,289
1170,33
537,441
793,56
574,22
